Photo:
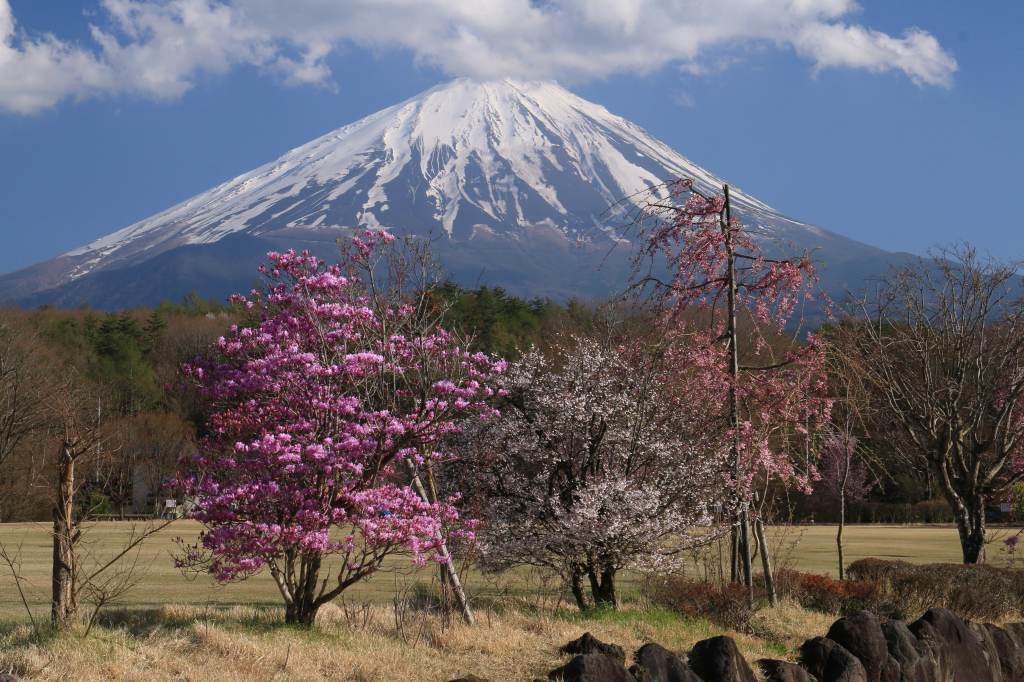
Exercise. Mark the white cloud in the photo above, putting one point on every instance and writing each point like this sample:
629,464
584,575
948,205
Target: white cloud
158,48
40,71
917,53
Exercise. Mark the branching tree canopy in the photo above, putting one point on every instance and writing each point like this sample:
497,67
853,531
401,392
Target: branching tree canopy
941,345
602,461
319,407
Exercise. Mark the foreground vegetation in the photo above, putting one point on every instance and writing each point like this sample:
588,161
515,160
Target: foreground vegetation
518,641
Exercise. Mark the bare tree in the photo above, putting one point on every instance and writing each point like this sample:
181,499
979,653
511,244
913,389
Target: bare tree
846,477
941,345
84,446
79,437
23,393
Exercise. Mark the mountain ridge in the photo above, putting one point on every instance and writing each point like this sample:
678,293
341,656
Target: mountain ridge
511,179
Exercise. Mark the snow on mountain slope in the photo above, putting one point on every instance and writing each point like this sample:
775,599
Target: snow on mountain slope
498,170
504,152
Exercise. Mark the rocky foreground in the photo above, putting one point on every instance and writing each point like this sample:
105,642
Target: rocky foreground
938,647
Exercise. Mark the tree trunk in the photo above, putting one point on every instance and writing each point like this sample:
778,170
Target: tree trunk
839,536
734,373
302,610
970,523
446,557
748,576
766,561
734,554
453,579
603,589
576,583
63,606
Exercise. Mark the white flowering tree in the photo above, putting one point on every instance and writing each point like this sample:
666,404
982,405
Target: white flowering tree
601,461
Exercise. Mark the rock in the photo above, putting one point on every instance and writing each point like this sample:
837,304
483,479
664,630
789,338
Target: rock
892,671
6,677
655,663
861,635
1016,630
718,660
1014,663
829,661
957,648
591,668
783,671
988,650
1007,649
588,644
913,661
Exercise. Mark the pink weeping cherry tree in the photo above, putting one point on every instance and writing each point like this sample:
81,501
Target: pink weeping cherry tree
322,409
730,306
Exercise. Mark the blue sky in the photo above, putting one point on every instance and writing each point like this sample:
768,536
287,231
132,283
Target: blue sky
898,123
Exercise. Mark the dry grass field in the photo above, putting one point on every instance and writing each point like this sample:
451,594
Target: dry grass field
517,642
173,628
805,548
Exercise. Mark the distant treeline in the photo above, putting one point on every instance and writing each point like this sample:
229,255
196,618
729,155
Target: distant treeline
126,365
131,362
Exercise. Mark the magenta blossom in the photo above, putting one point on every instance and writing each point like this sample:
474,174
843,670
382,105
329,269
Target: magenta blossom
319,408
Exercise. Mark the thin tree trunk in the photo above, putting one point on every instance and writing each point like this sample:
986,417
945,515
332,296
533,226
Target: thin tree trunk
748,575
839,535
63,605
734,373
734,554
766,561
446,557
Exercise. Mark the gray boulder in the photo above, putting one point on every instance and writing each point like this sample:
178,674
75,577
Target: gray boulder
861,635
783,671
959,651
588,644
655,663
915,662
591,668
829,661
718,660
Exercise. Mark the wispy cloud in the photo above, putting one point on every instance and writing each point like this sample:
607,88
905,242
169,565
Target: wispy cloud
158,48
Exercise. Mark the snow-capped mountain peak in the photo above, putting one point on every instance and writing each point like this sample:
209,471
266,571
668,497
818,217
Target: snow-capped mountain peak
497,152
512,179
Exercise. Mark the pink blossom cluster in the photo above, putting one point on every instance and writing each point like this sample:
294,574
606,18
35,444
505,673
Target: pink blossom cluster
782,394
317,406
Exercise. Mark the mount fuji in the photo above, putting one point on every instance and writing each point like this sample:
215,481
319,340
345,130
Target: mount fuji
512,182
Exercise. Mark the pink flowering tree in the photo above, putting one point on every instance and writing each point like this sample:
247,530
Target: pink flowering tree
601,462
322,410
845,476
730,307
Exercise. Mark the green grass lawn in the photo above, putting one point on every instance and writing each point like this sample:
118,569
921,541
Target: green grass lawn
805,548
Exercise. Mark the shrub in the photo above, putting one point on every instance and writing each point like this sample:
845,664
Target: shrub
823,593
978,592
876,570
725,604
